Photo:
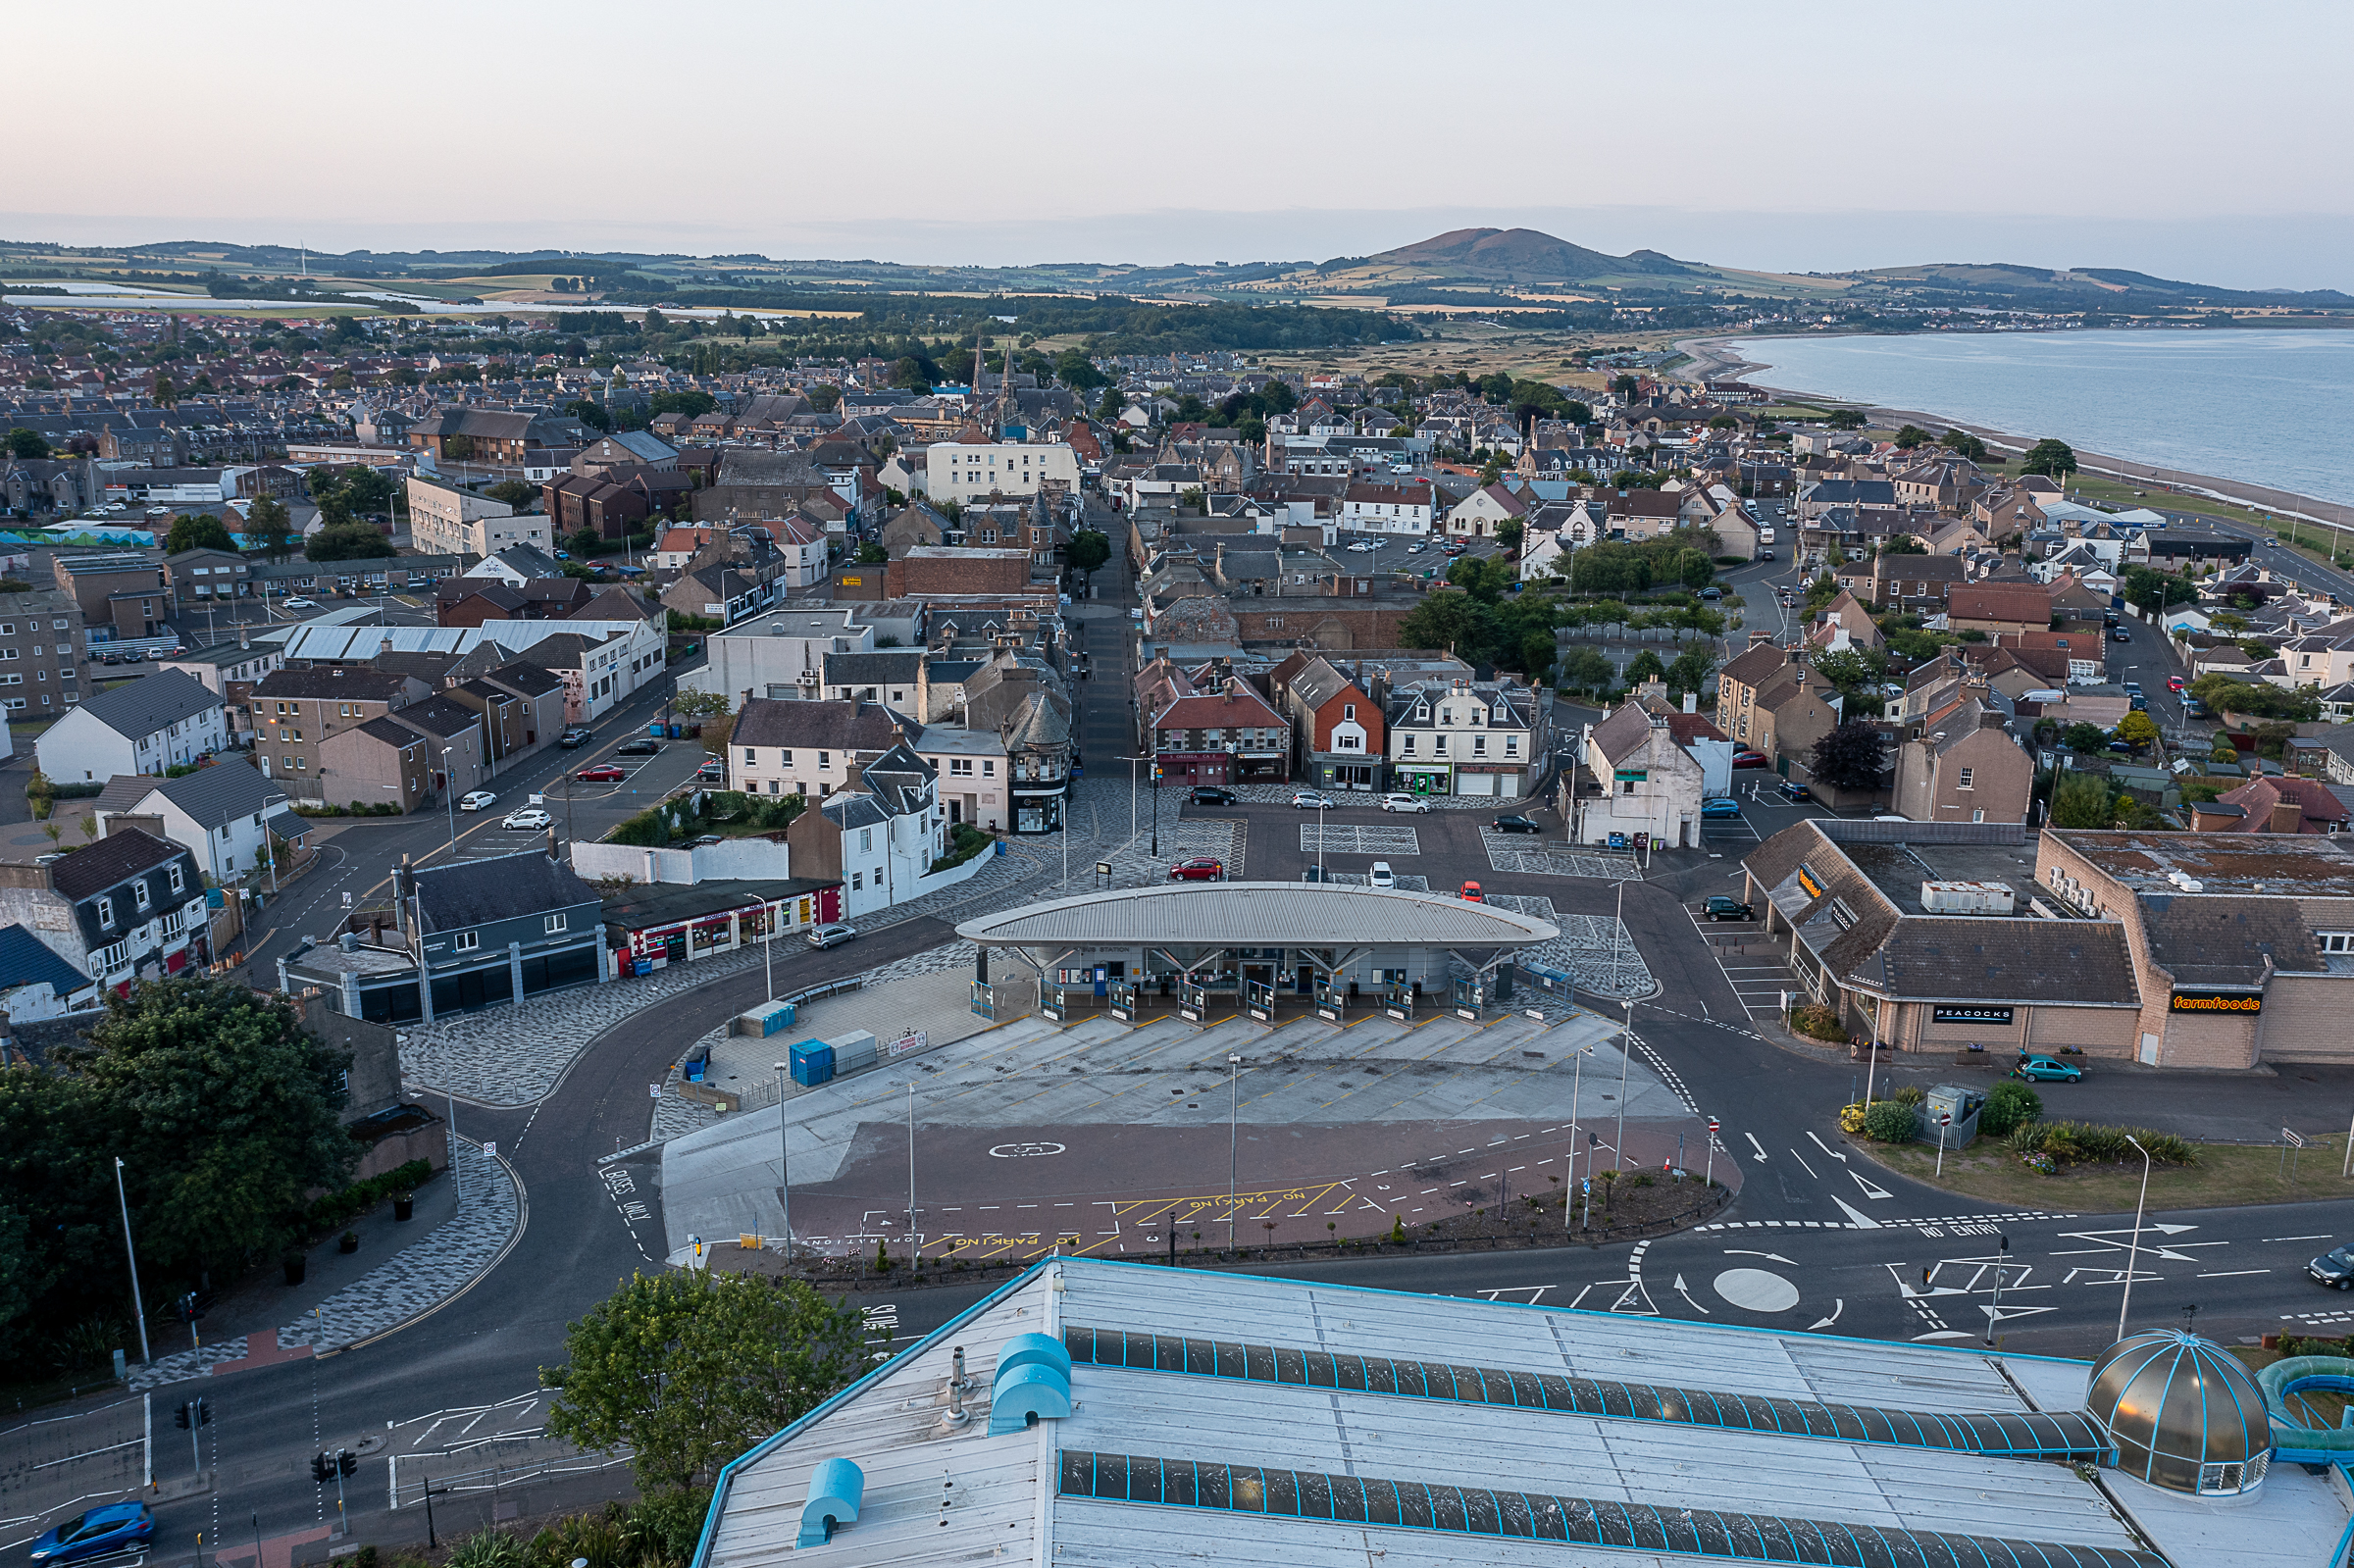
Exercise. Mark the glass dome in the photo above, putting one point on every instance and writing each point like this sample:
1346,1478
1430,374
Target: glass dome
2183,1413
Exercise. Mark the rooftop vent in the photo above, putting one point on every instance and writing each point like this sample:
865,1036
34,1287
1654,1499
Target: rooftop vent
1032,1382
836,1489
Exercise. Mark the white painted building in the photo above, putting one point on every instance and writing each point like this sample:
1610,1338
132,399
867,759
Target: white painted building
891,827
960,473
444,520
780,655
224,815
1650,783
143,725
1387,509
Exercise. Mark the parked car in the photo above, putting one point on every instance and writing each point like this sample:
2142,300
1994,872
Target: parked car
1201,868
1471,892
602,772
1720,907
1404,803
1313,800
528,817
1720,806
1381,875
476,799
1791,790
644,746
1749,759
2335,1267
2048,1070
830,936
1712,592
712,770
2174,683
573,739
1204,795
1516,825
96,1532
300,604
2120,635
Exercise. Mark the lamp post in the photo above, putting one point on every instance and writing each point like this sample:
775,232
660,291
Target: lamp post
2133,1252
911,1241
783,1163
1320,838
1994,1314
1627,1050
449,797
1578,1077
138,1307
1234,1101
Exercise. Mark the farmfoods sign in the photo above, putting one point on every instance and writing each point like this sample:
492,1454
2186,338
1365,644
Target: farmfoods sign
2216,1001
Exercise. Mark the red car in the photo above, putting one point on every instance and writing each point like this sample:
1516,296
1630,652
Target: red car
1201,868
602,772
2174,683
1749,759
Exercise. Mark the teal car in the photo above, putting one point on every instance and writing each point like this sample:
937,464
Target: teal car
2047,1070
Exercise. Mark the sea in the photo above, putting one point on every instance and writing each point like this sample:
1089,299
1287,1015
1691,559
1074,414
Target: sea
2264,407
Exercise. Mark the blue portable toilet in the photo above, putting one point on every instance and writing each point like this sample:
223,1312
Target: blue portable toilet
813,1063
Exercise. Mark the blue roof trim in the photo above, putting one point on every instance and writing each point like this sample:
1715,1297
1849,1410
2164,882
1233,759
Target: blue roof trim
759,1451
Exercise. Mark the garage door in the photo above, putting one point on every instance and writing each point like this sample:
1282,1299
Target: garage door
1474,783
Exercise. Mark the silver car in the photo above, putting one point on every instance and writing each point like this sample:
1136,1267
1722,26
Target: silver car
1404,803
830,936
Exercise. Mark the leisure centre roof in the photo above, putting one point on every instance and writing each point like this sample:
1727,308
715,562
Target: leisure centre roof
1258,914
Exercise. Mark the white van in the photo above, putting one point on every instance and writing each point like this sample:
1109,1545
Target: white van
1764,534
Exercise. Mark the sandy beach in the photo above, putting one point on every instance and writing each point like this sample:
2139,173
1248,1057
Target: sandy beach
1713,359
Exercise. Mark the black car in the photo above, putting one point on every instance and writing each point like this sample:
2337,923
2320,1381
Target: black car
1720,907
1516,825
2335,1267
1203,796
638,748
571,740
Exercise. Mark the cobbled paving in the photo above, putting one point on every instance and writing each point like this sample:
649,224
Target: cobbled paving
1350,840
1511,851
1595,949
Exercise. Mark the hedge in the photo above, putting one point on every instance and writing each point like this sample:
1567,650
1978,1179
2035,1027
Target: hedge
339,1208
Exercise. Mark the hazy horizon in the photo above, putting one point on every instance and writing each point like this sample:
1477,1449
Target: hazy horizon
1842,137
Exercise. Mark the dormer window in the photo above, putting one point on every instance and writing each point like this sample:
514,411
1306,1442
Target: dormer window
178,882
140,894
106,913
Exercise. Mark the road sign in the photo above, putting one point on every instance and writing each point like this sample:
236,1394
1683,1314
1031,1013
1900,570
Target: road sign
1102,868
653,1091
2293,1140
1712,1124
1945,1118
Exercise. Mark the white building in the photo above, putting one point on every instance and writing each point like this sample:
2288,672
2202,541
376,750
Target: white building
780,655
1387,509
1478,514
960,473
1650,783
444,520
224,815
1461,738
890,831
143,725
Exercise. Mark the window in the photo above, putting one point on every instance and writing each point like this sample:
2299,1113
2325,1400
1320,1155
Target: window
557,923
1512,745
866,840
106,912
179,883
1962,780
750,756
1438,746
140,894
857,881
824,762
466,941
1977,816
2336,941
1406,748
988,769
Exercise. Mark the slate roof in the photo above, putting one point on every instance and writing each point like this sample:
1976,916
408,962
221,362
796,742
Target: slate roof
476,892
847,727
24,960
340,683
441,717
150,704
210,795
86,873
885,666
527,679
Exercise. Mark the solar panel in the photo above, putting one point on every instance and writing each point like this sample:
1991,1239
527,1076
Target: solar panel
2040,1436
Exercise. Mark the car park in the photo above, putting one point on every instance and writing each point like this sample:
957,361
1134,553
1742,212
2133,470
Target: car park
832,935
643,748
1204,795
602,772
1201,868
1516,824
1720,806
1471,892
1381,875
476,799
528,817
1313,800
1404,803
1720,907
573,739
2334,1268
2047,1070
117,1526
1749,759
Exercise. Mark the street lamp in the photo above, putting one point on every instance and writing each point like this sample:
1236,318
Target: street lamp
2133,1252
783,1163
1320,803
1234,1067
1994,1314
449,796
138,1308
1626,1051
1578,1077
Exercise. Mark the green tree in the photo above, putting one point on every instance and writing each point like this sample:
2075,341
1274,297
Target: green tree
2084,738
1694,569
1586,670
202,531
1724,422
1076,371
583,542
458,448
825,397
2152,590
2049,456
1484,580
1624,388
1113,405
346,541
2081,800
224,1111
592,415
1645,667
270,528
2138,729
1850,757
872,554
1088,549
1450,620
1845,418
165,396
27,445
515,492
1692,669
1910,438
1964,445
686,1369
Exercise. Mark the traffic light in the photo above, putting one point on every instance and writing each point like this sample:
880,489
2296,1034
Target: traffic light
347,1462
180,1415
322,1469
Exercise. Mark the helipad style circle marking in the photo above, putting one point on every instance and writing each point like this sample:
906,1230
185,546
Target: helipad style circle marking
1757,1290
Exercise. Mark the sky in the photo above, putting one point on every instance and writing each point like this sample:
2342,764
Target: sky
2202,144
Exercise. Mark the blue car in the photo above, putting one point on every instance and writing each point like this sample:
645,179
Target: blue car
1720,806
117,1526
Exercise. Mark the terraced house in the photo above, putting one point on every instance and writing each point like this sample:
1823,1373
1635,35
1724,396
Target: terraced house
1467,737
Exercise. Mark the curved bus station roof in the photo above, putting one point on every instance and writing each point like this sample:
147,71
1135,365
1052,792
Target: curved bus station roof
1257,914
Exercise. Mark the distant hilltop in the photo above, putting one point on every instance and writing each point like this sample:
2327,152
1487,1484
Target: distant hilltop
1523,255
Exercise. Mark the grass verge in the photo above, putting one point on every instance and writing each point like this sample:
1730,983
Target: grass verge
2228,1176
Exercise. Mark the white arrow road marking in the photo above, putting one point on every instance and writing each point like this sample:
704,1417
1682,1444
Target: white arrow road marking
1688,1301
1856,1217
1838,1305
1870,1190
1739,1252
1827,1148
1995,1314
1754,1144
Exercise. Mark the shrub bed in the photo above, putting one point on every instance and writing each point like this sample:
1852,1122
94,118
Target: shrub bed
1818,1022
2052,1146
339,1208
964,842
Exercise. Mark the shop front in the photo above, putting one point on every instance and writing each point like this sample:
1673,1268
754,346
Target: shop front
1197,767
1260,767
1423,777
667,924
